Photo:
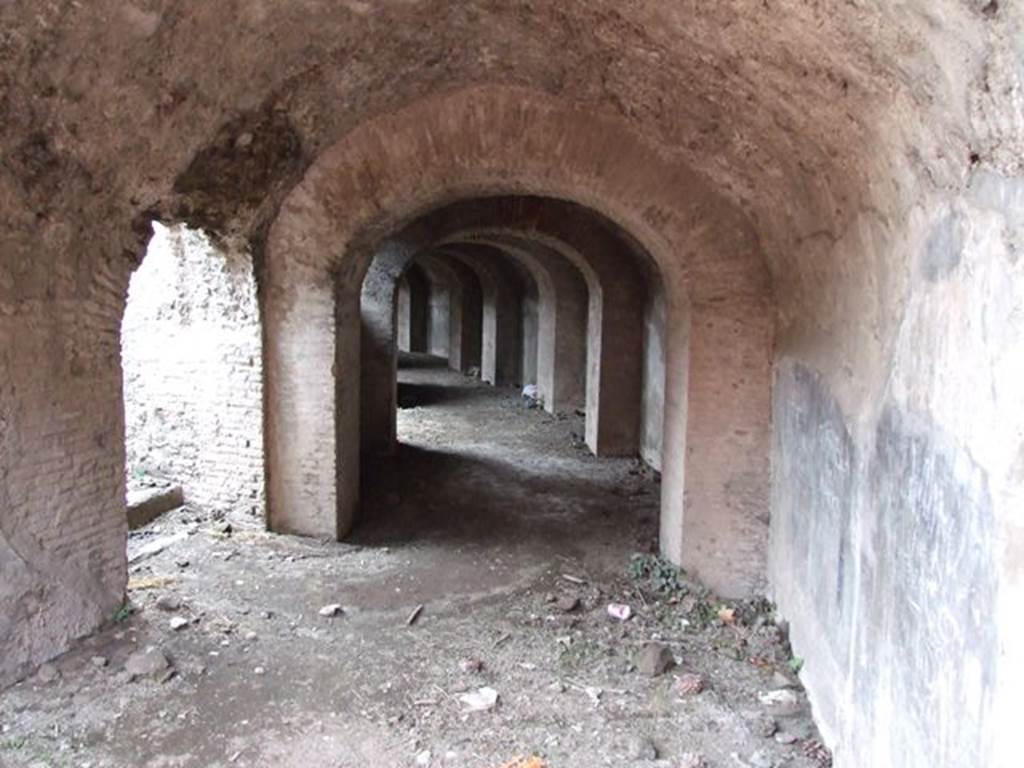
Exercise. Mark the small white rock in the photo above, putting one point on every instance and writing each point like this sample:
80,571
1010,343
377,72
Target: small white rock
178,622
333,609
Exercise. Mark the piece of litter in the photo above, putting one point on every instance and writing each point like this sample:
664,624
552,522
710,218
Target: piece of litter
178,622
331,610
524,762
573,579
414,615
480,700
620,611
149,582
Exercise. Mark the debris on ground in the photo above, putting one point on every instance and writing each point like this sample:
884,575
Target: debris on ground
690,684
168,602
47,673
480,700
150,662
641,748
531,394
654,659
568,603
524,762
818,752
782,702
149,582
333,609
620,611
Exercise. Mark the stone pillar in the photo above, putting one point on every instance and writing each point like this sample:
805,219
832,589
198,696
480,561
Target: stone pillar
311,333
419,309
615,341
717,435
379,351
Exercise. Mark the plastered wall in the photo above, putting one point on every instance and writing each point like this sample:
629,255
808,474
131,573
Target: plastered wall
896,529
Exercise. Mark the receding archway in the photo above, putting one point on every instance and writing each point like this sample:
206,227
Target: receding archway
501,140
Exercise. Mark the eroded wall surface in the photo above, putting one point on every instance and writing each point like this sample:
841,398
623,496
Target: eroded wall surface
896,528
192,357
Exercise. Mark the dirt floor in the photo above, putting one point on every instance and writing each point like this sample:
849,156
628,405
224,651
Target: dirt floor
513,539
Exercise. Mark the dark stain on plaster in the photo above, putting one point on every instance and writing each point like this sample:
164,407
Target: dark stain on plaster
251,158
944,247
819,460
929,591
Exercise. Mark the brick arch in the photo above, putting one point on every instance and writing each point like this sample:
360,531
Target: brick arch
488,141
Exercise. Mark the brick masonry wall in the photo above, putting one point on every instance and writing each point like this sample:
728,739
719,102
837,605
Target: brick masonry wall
193,389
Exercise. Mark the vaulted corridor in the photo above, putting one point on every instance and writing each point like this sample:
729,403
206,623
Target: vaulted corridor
736,286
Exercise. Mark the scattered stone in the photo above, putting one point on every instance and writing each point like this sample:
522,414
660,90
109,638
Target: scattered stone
224,528
620,611
818,752
781,703
47,673
691,760
267,614
259,671
801,727
641,748
168,602
251,636
182,562
782,680
471,666
785,738
424,758
334,609
654,659
557,687
178,622
765,726
761,759
150,662
690,684
99,661
568,603
480,700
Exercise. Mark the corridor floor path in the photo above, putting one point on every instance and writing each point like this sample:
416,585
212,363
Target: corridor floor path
504,542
